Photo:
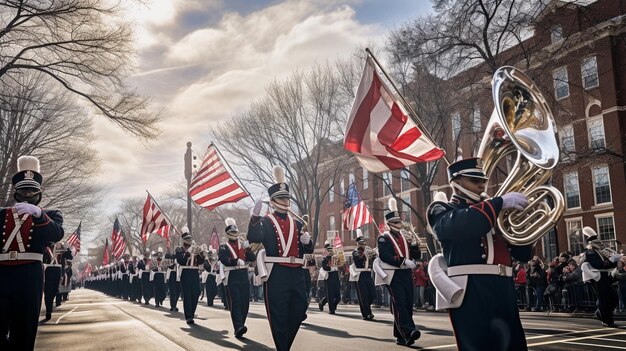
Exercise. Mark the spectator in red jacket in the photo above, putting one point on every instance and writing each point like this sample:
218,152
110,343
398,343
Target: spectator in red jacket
520,277
420,281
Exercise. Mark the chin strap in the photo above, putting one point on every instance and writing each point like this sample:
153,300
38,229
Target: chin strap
276,205
468,194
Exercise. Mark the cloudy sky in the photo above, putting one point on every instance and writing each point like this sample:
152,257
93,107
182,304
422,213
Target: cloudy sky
203,61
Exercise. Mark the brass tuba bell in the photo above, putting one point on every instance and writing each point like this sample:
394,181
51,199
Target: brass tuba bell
522,125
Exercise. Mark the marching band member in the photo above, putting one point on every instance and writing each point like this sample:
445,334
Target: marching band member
189,258
395,255
52,279
603,261
234,256
362,273
285,244
123,267
135,280
211,267
147,287
158,278
63,257
333,294
173,281
478,258
25,230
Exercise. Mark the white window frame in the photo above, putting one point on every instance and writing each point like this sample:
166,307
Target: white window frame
593,180
593,62
332,224
476,122
365,179
387,178
556,81
590,123
331,191
456,125
406,208
567,231
342,187
606,215
567,132
556,34
565,186
405,177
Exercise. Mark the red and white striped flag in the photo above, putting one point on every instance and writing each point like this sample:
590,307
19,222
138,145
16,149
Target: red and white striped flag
74,239
164,232
379,131
356,214
105,255
153,218
215,239
213,185
118,243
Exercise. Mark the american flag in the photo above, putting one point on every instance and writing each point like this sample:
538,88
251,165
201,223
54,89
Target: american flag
153,218
117,240
355,214
215,239
213,185
105,255
164,232
379,131
74,238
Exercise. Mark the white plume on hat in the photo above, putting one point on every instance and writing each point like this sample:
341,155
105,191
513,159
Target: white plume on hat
440,196
279,174
184,229
359,233
588,232
393,205
28,163
230,221
160,249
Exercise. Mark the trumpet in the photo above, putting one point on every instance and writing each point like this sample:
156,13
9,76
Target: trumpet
338,258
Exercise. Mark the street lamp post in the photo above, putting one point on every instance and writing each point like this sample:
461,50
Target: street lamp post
188,169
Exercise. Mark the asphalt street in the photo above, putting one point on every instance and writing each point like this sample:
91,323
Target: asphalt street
93,321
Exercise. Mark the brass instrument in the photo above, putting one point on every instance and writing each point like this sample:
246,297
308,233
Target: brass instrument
338,258
522,126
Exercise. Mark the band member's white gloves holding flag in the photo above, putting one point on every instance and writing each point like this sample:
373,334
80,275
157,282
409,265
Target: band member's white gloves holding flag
305,238
24,207
245,244
240,263
514,200
408,263
258,206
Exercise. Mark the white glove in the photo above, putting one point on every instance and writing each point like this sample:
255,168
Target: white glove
246,244
305,238
24,207
256,211
408,263
514,200
615,258
240,263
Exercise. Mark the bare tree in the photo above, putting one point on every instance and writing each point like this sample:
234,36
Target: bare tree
83,45
294,126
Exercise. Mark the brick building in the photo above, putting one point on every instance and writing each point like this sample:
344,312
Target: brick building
580,52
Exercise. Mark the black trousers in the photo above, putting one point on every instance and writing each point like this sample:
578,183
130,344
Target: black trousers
285,304
333,294
136,288
223,295
366,292
51,286
174,287
190,284
211,289
159,288
20,302
147,287
607,298
401,291
307,284
125,287
238,295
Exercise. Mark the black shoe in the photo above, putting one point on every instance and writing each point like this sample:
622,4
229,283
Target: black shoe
210,304
239,333
48,316
609,325
175,309
190,321
304,317
368,317
415,334
331,312
321,306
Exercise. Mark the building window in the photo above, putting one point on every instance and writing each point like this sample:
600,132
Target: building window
476,127
331,223
366,231
365,179
342,187
574,236
550,249
331,191
456,125
387,183
405,182
596,132
589,70
556,34
351,179
606,230
572,191
601,184
568,145
406,210
561,83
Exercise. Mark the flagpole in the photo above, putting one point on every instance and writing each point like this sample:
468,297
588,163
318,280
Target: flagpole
412,114
164,214
231,171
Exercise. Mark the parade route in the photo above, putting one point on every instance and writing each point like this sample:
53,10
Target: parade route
93,321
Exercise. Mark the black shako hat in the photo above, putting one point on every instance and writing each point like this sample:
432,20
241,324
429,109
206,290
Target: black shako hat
27,175
393,216
280,189
469,167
